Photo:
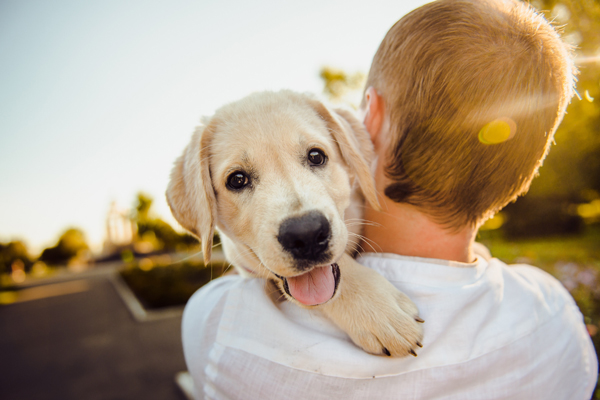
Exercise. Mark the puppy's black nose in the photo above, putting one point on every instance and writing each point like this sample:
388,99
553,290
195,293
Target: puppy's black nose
306,237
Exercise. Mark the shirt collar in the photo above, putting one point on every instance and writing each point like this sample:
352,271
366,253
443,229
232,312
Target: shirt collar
427,271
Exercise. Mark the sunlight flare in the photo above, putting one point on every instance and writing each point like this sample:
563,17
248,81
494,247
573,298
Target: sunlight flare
498,131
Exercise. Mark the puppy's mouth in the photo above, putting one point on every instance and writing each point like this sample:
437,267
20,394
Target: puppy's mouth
314,287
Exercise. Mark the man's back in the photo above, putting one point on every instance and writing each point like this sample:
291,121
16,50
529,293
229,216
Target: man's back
491,332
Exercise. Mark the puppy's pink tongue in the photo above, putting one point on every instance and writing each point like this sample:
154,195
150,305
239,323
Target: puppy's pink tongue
314,287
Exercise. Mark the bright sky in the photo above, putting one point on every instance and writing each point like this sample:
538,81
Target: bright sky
98,98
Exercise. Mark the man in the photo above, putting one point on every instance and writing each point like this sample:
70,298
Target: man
462,102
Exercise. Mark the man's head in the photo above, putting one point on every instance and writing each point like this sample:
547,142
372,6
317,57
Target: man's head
472,93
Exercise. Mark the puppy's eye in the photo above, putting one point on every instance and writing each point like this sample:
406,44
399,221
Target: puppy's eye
316,157
237,180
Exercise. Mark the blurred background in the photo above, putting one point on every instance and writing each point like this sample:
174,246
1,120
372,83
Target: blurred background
97,99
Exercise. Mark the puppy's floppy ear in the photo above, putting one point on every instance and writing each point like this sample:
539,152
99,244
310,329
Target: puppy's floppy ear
190,193
351,135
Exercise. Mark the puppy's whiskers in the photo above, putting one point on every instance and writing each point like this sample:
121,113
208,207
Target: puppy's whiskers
371,244
238,257
359,221
365,240
357,244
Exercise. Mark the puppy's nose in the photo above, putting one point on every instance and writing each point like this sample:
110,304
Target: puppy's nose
306,237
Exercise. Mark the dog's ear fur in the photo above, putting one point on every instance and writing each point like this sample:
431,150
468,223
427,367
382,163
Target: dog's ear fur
350,135
190,193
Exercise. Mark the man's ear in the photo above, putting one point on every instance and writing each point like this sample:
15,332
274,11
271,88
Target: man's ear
190,193
350,136
374,113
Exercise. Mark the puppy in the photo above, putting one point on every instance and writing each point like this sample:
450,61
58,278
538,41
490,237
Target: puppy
283,178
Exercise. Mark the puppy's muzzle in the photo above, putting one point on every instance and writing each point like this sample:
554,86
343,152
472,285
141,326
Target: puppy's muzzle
306,237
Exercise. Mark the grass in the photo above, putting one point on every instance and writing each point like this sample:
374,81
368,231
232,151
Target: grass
546,253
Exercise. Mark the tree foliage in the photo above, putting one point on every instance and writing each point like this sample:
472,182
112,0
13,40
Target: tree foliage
342,87
70,244
11,252
156,232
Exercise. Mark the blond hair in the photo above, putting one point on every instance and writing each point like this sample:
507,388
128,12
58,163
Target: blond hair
474,91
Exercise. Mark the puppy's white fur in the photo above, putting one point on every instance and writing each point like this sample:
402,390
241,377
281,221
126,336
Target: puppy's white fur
268,135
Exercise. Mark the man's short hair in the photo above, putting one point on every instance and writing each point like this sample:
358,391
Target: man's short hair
474,91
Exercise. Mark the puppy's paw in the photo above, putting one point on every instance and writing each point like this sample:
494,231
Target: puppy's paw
378,317
391,327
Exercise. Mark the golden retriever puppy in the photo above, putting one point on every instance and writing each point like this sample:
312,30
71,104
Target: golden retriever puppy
283,179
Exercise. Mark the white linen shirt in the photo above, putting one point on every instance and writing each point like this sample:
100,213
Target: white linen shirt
491,331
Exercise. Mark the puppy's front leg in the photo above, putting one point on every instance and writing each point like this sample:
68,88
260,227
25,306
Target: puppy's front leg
378,317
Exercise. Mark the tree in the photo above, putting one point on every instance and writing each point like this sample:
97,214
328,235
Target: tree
70,244
11,252
156,232
342,87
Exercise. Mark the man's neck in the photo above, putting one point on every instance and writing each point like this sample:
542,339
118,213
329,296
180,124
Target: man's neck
400,228
403,229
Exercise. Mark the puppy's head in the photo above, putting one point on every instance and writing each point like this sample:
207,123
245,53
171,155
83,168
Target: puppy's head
274,173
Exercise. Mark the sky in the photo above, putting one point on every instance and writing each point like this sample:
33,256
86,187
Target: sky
98,98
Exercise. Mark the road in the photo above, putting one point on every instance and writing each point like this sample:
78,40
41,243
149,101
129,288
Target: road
75,339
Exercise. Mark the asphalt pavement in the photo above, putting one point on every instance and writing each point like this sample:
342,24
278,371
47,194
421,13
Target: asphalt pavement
75,339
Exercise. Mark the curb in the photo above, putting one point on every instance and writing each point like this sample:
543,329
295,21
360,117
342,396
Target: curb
135,307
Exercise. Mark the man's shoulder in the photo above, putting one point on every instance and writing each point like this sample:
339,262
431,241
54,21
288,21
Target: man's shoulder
527,280
536,295
214,290
205,300
209,311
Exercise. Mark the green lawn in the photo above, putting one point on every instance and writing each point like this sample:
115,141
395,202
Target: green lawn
546,253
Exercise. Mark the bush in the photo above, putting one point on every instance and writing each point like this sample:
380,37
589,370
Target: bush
158,286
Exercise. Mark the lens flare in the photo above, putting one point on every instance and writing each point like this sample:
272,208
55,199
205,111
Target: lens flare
498,131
